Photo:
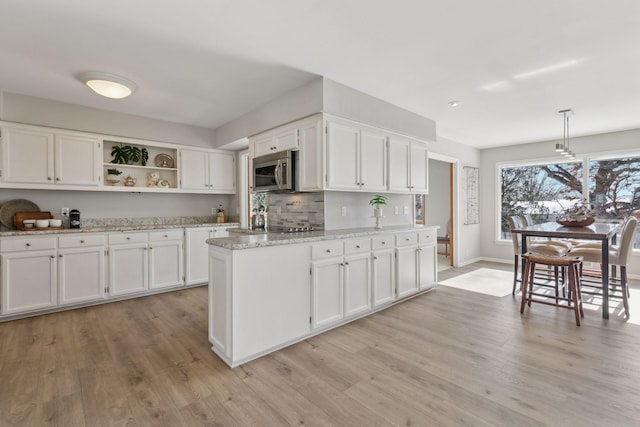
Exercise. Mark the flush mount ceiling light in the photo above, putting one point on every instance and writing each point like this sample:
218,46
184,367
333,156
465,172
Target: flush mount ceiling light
564,149
108,85
454,103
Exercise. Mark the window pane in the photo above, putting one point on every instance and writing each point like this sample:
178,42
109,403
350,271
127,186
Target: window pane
614,189
541,191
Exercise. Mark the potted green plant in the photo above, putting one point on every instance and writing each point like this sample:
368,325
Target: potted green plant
113,176
129,154
378,202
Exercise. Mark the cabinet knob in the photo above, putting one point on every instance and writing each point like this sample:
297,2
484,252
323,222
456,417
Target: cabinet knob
81,241
60,256
128,238
49,178
58,178
328,250
28,244
51,256
346,263
406,238
166,235
357,246
375,257
384,243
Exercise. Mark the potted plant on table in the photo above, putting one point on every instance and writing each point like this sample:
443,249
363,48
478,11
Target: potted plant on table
378,202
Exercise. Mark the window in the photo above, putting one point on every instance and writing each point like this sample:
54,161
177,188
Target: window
612,188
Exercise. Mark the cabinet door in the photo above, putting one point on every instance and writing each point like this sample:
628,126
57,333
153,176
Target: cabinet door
310,158
286,140
383,277
197,255
28,281
77,160
219,232
343,157
222,172
326,292
428,266
194,172
263,145
165,264
373,161
27,156
80,275
399,152
127,269
419,168
357,284
407,271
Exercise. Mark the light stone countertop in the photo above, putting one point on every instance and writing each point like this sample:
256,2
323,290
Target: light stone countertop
241,240
113,228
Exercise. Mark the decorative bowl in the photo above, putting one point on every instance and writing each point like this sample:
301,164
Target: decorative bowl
582,223
55,223
42,223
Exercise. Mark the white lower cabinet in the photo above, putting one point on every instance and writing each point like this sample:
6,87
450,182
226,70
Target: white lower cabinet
128,268
165,259
29,281
427,260
197,251
327,295
383,282
81,269
357,284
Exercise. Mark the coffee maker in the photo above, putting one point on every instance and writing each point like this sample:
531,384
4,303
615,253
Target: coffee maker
74,218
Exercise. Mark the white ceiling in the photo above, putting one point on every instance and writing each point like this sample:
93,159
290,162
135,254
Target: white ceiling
512,63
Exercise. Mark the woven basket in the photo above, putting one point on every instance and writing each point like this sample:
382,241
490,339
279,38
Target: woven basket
583,223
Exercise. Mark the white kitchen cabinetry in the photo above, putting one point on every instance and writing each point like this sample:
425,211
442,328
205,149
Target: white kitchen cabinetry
165,259
408,166
197,252
40,158
427,259
208,171
383,270
341,280
407,282
81,268
356,157
281,139
128,263
28,268
250,313
310,158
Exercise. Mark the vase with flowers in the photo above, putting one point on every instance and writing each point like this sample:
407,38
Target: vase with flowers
579,214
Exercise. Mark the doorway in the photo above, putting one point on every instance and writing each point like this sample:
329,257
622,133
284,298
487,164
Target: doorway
439,207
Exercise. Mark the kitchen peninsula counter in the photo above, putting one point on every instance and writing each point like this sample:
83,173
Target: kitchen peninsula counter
271,290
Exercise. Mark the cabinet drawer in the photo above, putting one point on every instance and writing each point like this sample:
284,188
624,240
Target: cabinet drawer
27,244
158,236
359,245
427,236
406,239
382,242
123,238
80,241
327,250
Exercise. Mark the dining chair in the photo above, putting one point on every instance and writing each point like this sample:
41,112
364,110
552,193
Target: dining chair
573,293
527,220
618,256
446,239
540,248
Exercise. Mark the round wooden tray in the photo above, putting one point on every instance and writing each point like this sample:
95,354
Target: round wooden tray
9,209
583,223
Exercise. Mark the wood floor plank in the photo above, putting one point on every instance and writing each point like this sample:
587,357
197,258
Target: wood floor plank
449,357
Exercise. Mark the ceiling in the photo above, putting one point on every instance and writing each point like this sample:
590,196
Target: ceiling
512,63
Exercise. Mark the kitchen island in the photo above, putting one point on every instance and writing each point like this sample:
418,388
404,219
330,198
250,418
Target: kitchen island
270,290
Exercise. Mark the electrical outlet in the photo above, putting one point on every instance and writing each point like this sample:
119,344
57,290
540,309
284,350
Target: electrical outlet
64,212
396,210
406,210
213,211
343,211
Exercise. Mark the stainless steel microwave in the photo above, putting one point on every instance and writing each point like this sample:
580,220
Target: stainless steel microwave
274,172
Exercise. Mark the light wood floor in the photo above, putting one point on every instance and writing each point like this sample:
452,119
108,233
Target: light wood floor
450,357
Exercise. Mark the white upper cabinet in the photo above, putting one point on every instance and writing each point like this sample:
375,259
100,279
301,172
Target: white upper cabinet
408,166
356,157
310,158
285,138
207,171
41,158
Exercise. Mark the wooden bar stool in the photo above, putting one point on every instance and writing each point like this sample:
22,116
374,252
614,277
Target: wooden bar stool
572,286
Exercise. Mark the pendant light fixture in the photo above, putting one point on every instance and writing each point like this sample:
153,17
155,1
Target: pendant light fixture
108,85
564,148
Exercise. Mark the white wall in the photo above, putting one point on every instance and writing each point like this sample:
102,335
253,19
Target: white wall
360,214
45,112
437,201
601,144
119,205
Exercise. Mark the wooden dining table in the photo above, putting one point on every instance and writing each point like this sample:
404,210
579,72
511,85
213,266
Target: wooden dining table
604,232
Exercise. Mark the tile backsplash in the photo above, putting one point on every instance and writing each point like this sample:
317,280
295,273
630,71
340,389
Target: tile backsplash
296,209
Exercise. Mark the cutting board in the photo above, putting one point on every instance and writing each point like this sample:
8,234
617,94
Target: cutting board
19,217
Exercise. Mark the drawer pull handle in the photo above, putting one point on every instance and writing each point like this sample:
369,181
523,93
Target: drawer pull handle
28,244
406,238
357,246
81,241
166,235
128,238
328,250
